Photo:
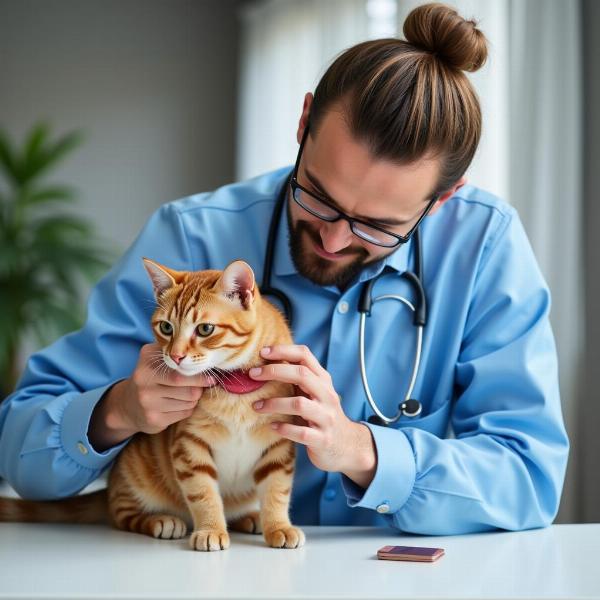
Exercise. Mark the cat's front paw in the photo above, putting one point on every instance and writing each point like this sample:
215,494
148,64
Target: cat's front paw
285,537
208,540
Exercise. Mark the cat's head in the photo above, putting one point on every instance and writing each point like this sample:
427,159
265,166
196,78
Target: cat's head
205,319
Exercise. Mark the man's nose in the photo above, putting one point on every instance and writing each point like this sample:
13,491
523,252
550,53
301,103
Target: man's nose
177,357
336,236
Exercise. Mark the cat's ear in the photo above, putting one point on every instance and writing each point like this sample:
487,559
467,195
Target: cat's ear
162,278
238,280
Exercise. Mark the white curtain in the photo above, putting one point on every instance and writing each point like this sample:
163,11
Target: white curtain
546,181
530,155
286,47
530,152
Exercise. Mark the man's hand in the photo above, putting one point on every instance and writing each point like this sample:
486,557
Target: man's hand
334,442
153,398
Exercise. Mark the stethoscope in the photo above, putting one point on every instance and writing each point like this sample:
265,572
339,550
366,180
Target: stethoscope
408,407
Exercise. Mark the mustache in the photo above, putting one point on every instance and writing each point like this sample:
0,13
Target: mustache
303,226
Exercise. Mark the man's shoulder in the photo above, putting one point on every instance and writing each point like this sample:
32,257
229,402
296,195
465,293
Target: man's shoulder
471,224
235,197
476,214
470,196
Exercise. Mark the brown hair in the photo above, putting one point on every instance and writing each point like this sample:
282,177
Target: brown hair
410,99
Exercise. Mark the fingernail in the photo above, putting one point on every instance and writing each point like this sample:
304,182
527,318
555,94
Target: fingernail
255,371
274,425
265,351
258,405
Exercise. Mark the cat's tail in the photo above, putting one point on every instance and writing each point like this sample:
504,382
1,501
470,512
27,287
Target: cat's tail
87,508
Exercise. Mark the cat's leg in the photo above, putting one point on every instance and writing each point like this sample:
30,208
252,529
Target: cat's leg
241,510
129,513
198,482
248,523
273,476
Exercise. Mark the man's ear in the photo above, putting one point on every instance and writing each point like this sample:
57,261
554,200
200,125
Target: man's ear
162,277
308,99
447,195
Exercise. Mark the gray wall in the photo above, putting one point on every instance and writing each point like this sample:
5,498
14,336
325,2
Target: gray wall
152,84
589,508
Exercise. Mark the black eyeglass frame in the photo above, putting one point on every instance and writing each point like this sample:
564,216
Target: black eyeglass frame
400,239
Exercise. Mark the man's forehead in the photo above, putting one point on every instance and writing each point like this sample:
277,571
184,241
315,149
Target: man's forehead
346,168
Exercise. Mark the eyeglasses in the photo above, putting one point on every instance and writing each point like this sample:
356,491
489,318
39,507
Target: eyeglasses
323,209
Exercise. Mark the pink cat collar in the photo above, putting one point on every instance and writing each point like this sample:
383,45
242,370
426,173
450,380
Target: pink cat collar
239,382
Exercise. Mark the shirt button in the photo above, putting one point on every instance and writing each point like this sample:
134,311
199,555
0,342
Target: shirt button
383,508
81,447
330,494
343,307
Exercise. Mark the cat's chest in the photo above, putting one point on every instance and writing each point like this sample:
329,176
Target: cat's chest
235,459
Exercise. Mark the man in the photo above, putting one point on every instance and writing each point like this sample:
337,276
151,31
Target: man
380,154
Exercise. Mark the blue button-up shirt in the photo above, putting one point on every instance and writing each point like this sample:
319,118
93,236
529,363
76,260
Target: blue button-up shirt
489,448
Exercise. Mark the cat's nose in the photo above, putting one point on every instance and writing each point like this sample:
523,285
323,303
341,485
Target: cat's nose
177,357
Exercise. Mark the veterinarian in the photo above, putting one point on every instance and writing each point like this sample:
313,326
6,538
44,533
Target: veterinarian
392,128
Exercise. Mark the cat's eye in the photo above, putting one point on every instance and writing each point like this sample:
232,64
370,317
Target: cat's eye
165,328
205,329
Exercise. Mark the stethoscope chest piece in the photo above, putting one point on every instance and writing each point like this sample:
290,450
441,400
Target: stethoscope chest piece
409,408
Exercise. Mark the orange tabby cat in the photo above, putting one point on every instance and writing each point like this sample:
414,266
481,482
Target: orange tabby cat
224,464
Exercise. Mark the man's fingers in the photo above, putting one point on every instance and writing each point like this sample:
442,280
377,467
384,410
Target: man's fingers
293,353
299,375
307,409
302,435
180,392
178,416
169,405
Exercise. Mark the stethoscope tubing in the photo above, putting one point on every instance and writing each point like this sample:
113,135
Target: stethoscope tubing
408,407
415,370
266,288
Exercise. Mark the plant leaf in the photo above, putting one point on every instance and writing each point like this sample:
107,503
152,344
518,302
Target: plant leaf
34,142
8,158
61,228
46,157
48,195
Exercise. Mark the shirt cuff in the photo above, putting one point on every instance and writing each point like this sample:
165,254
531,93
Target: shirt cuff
74,427
394,476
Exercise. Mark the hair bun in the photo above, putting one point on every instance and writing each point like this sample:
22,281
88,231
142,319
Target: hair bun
439,29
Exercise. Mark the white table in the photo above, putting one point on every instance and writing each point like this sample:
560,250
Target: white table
74,561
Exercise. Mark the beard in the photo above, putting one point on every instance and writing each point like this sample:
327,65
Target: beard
320,270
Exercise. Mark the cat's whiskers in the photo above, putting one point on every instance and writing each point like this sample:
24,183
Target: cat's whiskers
217,375
213,391
234,376
159,367
156,360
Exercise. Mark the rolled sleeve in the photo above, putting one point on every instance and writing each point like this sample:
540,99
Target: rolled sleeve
394,476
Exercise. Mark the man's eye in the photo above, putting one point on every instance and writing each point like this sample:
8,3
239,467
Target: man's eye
205,329
165,328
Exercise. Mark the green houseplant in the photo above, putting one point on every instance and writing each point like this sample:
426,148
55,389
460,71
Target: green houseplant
46,251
